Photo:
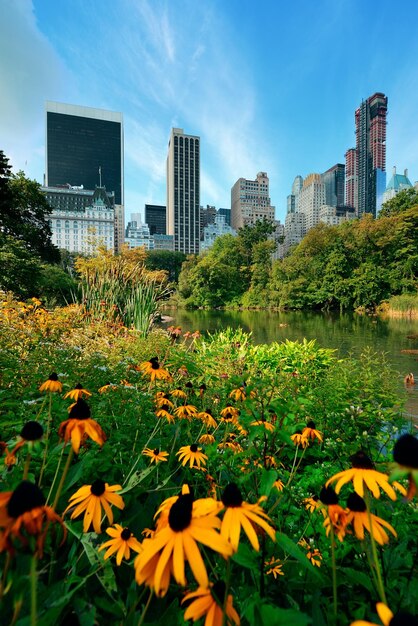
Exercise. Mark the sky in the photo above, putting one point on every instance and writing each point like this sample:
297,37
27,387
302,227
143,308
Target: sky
268,86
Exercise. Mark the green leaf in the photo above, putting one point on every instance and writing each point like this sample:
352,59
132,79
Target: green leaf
286,617
246,557
293,549
268,478
136,479
357,578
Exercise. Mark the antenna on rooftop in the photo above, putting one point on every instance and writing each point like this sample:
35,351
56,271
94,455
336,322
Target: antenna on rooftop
100,175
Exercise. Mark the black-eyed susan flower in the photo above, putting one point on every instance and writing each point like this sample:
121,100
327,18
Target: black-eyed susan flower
206,439
312,503
239,514
177,542
202,389
156,455
264,423
278,484
106,387
405,454
337,516
185,411
274,567
178,393
162,400
52,384
91,499
23,512
238,394
229,413
210,601
192,455
313,554
362,520
77,392
207,418
153,369
363,473
310,432
164,413
79,426
121,544
31,433
230,443
299,439
401,618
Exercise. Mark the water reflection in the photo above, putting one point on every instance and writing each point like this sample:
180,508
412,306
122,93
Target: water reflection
347,333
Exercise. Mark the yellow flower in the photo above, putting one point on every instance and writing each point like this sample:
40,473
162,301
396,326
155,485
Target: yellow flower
229,414
207,418
23,512
161,399
155,455
106,387
274,567
279,485
238,394
52,384
362,519
310,432
311,504
207,439
164,413
210,601
384,613
153,369
239,514
185,411
300,440
90,499
122,543
77,392
263,422
192,455
175,543
79,426
313,554
178,393
361,473
337,516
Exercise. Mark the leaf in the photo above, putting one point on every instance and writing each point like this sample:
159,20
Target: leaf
286,617
268,478
136,479
293,549
246,557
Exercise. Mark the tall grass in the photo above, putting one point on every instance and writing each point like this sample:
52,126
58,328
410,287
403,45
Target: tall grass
119,288
404,305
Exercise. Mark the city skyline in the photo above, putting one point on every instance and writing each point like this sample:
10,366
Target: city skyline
267,88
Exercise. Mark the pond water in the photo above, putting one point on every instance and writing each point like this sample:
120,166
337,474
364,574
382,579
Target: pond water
347,333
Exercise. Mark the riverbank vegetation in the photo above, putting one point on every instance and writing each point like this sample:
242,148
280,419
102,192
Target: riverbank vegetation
167,478
361,263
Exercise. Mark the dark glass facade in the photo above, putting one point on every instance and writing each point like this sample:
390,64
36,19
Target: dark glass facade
156,219
78,146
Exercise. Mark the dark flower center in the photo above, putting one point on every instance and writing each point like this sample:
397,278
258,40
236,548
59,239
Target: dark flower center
165,407
360,460
78,386
32,431
218,592
189,385
208,411
53,376
310,424
25,497
228,416
156,451
154,363
203,387
180,514
403,619
193,447
328,496
126,534
356,503
80,410
231,496
98,488
405,451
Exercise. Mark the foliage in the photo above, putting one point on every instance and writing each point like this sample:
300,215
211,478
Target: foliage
274,391
403,200
166,260
119,288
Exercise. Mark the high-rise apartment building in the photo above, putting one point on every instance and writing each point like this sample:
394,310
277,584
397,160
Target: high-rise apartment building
370,156
250,201
311,198
398,182
183,191
333,180
351,178
156,218
84,148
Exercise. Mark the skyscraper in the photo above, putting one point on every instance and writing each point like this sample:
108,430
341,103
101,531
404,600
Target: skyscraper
250,201
370,155
84,147
334,185
183,191
156,218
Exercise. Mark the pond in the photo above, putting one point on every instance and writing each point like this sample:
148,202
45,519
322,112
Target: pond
347,333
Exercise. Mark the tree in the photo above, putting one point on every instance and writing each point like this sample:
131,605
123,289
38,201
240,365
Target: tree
166,260
19,268
24,213
403,200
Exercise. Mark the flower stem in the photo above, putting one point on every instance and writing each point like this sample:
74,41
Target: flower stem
380,585
33,588
63,477
146,607
334,574
227,583
55,475
26,468
48,433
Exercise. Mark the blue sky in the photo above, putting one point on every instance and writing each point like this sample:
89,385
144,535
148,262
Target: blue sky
269,86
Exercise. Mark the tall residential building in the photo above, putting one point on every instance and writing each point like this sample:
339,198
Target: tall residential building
156,218
333,180
311,198
370,155
250,201
397,183
183,191
84,148
293,198
351,178
81,219
227,214
207,216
